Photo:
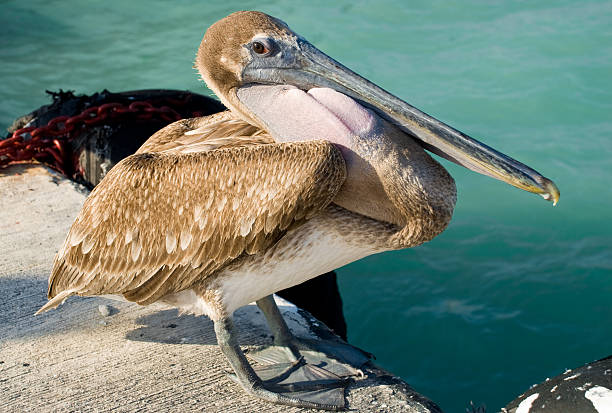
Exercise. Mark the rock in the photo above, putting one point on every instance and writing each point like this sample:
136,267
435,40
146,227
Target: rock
105,310
586,389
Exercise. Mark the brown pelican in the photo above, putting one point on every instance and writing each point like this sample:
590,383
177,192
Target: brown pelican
312,168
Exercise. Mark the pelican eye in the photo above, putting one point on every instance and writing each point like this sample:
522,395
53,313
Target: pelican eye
260,48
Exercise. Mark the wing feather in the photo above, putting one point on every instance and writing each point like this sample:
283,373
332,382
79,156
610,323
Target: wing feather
221,130
159,222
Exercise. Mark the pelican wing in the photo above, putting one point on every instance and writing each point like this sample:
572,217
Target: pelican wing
159,222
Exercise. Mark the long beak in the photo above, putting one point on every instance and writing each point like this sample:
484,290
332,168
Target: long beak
319,70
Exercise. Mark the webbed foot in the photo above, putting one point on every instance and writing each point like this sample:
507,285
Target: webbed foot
304,382
294,384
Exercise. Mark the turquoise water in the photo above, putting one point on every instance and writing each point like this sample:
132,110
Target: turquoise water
515,290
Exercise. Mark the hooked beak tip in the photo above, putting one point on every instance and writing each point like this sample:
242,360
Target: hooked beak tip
550,191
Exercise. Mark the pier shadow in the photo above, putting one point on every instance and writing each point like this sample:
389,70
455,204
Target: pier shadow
171,327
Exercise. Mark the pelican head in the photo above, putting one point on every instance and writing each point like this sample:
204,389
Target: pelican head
248,57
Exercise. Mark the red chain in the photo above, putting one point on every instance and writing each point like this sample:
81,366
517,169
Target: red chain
48,143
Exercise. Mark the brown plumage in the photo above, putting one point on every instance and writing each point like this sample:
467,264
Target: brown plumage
160,222
123,241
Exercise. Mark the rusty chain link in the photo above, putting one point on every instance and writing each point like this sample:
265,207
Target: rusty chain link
49,143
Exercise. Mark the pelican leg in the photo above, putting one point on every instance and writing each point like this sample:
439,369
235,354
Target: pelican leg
289,348
273,390
282,335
